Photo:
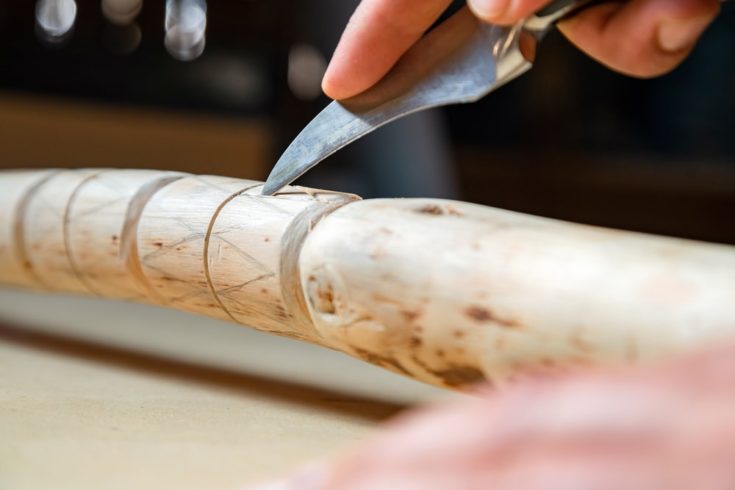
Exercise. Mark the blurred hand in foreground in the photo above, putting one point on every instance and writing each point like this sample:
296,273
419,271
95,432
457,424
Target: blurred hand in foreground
642,38
659,427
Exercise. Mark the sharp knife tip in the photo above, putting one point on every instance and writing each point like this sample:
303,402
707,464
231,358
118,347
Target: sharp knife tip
270,188
276,180
281,176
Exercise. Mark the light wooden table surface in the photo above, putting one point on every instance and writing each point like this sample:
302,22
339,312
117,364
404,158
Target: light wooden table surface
104,395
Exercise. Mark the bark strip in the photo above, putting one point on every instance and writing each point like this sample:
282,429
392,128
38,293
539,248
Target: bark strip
293,240
129,233
207,239
19,233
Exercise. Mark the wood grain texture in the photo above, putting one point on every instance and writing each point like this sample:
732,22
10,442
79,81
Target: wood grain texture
454,292
446,292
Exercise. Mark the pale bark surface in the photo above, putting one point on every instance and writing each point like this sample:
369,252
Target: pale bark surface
446,292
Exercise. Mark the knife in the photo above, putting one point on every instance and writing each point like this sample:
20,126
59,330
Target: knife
459,61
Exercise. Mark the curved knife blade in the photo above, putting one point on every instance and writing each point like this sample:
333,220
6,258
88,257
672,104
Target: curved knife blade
459,61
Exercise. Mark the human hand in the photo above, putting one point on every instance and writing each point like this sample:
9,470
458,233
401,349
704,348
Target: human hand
662,427
642,38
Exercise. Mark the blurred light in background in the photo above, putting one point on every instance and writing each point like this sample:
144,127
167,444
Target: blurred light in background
306,67
233,79
122,39
186,25
55,19
121,12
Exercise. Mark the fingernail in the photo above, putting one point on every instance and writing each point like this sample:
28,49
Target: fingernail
678,35
488,9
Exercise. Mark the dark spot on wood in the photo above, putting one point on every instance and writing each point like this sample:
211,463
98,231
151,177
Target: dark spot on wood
266,239
483,315
456,376
382,361
458,334
420,363
409,315
415,342
281,313
321,296
264,290
327,296
179,249
440,353
431,209
158,244
115,238
436,210
384,299
173,279
478,313
578,342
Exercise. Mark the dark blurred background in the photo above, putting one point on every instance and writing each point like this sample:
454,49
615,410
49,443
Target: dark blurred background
223,86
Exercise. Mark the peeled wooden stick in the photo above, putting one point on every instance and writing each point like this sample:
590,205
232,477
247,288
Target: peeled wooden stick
446,292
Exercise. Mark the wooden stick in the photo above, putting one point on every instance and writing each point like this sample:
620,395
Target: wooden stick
446,292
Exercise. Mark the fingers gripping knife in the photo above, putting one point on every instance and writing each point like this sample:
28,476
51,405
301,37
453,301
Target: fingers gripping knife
460,61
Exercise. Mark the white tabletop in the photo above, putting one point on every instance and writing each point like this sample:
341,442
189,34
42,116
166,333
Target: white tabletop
105,395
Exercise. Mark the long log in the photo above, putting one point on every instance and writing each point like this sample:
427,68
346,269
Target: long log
446,292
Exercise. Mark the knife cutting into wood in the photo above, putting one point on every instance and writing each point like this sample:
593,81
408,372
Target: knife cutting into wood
460,61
